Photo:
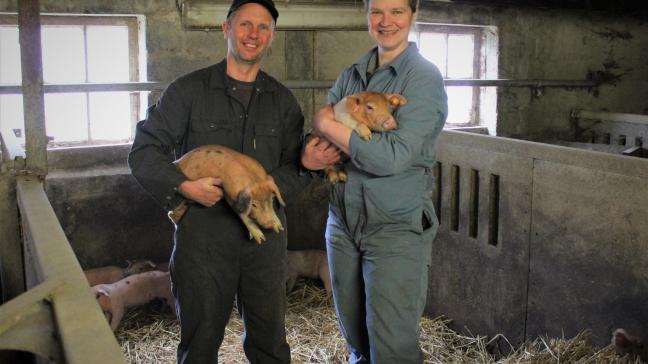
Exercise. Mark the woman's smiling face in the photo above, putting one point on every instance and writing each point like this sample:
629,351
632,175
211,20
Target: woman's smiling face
389,24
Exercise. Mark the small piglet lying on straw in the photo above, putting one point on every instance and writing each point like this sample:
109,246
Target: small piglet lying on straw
113,273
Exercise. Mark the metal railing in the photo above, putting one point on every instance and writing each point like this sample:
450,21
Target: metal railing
57,318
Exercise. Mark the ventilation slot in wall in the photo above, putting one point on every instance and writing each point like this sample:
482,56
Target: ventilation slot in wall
606,138
493,209
621,140
454,202
473,213
436,193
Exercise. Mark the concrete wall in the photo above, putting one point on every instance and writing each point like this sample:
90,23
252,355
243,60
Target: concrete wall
559,44
571,245
534,44
11,267
104,213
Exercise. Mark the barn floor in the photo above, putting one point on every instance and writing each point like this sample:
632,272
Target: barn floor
150,334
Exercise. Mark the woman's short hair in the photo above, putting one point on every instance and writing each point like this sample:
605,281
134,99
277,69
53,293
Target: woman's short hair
413,4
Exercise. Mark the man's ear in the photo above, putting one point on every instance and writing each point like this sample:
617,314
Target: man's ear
243,202
225,29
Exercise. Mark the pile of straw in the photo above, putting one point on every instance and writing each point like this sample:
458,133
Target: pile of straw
150,334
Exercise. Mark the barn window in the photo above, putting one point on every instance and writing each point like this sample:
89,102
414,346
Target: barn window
462,52
76,50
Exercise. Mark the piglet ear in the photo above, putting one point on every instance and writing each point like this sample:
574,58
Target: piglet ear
275,190
396,99
243,202
353,103
620,339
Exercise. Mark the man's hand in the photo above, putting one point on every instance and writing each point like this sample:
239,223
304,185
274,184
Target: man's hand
336,133
206,191
319,153
322,119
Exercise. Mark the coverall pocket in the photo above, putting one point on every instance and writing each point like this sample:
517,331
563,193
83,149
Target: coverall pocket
213,131
267,145
395,200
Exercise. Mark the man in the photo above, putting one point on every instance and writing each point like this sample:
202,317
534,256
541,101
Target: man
235,104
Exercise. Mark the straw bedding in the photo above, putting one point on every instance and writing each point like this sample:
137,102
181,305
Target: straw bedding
150,334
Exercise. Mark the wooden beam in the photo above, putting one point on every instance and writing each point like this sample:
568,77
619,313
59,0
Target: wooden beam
32,80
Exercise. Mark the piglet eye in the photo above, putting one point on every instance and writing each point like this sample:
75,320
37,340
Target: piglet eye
370,107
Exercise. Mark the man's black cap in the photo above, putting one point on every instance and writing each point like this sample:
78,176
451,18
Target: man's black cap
268,4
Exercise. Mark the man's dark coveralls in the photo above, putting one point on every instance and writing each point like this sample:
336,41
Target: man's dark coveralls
213,259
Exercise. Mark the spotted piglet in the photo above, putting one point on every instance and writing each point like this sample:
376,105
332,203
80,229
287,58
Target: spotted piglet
134,290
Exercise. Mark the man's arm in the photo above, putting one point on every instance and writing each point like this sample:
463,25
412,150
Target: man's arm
287,176
156,139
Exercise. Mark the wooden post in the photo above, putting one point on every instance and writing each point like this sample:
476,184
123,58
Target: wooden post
32,81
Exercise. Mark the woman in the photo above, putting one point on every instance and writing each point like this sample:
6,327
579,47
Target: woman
382,221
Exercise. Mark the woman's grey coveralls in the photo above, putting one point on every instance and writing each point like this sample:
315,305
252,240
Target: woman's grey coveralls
213,258
382,221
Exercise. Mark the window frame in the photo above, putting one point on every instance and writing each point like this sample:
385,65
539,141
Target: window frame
478,33
132,23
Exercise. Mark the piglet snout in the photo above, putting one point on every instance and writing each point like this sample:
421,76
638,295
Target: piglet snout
389,123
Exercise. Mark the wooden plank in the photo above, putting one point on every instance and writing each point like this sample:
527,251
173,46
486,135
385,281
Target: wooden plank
32,79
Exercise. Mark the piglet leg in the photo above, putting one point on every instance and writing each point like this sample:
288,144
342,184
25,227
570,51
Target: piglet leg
253,228
178,212
363,131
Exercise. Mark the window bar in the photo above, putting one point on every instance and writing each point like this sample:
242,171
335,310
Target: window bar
445,71
87,76
493,209
474,204
133,76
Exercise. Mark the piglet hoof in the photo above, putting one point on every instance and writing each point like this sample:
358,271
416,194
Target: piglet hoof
257,235
364,132
173,217
336,177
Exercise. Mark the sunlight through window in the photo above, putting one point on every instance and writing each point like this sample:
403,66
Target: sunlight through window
76,50
456,51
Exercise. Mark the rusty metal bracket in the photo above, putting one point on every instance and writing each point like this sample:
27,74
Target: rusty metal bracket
27,323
